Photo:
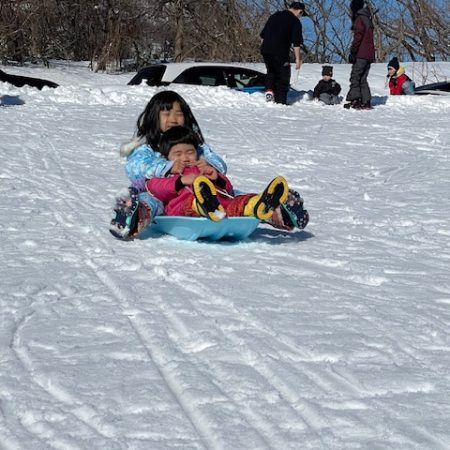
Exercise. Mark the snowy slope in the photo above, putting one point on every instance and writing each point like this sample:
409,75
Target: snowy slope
337,337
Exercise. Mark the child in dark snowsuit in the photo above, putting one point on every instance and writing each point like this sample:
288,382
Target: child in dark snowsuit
327,89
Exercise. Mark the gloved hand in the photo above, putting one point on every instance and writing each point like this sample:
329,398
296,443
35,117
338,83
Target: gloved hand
352,58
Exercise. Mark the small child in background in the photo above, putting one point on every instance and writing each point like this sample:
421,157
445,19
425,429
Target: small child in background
399,82
201,190
327,89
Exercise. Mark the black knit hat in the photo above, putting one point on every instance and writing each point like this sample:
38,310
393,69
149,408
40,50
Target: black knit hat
327,70
394,63
356,5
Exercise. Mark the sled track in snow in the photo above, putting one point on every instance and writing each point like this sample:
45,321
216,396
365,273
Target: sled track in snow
122,305
177,349
263,430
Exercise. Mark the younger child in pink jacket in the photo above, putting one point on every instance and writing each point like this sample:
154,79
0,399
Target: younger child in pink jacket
197,189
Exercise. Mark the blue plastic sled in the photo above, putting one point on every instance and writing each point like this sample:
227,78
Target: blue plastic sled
193,228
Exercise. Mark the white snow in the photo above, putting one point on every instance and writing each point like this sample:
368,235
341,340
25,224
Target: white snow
335,337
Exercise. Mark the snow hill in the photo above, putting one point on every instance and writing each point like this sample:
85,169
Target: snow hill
335,337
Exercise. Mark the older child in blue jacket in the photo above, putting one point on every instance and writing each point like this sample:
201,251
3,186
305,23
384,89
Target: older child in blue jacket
135,207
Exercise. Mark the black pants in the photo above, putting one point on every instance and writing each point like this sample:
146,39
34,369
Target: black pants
278,76
359,87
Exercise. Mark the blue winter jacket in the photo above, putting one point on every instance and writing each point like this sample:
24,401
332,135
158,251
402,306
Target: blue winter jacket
144,162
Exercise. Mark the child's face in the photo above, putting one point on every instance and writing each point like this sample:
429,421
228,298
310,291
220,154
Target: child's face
172,118
184,152
391,71
326,77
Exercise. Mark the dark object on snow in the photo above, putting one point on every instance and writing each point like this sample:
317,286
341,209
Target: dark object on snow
440,88
19,81
202,74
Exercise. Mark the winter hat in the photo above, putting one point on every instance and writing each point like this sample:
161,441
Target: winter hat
356,5
394,63
327,70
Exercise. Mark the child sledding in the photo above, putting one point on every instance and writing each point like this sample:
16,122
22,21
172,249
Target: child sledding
204,192
137,209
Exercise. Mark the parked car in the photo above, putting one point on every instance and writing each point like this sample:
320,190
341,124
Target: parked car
234,76
439,88
19,81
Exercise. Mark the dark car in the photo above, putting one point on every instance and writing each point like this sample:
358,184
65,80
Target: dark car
19,81
234,76
439,88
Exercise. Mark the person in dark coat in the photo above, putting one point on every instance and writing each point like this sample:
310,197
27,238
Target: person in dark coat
281,31
362,54
327,90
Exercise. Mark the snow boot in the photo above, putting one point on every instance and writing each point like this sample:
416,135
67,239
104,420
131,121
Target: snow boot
292,211
354,104
263,205
126,214
365,106
206,203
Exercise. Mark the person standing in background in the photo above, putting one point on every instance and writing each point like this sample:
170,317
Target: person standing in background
281,31
362,55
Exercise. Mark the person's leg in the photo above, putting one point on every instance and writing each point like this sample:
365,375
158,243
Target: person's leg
125,213
326,98
358,69
365,89
334,100
263,205
290,214
282,80
133,213
270,72
206,203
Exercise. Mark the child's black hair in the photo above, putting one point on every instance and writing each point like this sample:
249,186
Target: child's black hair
148,124
174,136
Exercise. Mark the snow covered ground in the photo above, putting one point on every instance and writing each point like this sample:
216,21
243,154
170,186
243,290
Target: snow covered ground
335,337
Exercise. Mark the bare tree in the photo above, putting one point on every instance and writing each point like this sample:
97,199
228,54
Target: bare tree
109,32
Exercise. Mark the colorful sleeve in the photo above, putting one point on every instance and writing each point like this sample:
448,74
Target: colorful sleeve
144,162
206,153
408,87
162,188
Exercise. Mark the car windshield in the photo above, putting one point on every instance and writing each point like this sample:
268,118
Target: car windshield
202,76
150,75
243,78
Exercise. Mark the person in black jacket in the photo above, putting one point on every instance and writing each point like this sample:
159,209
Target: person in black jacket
327,90
282,30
